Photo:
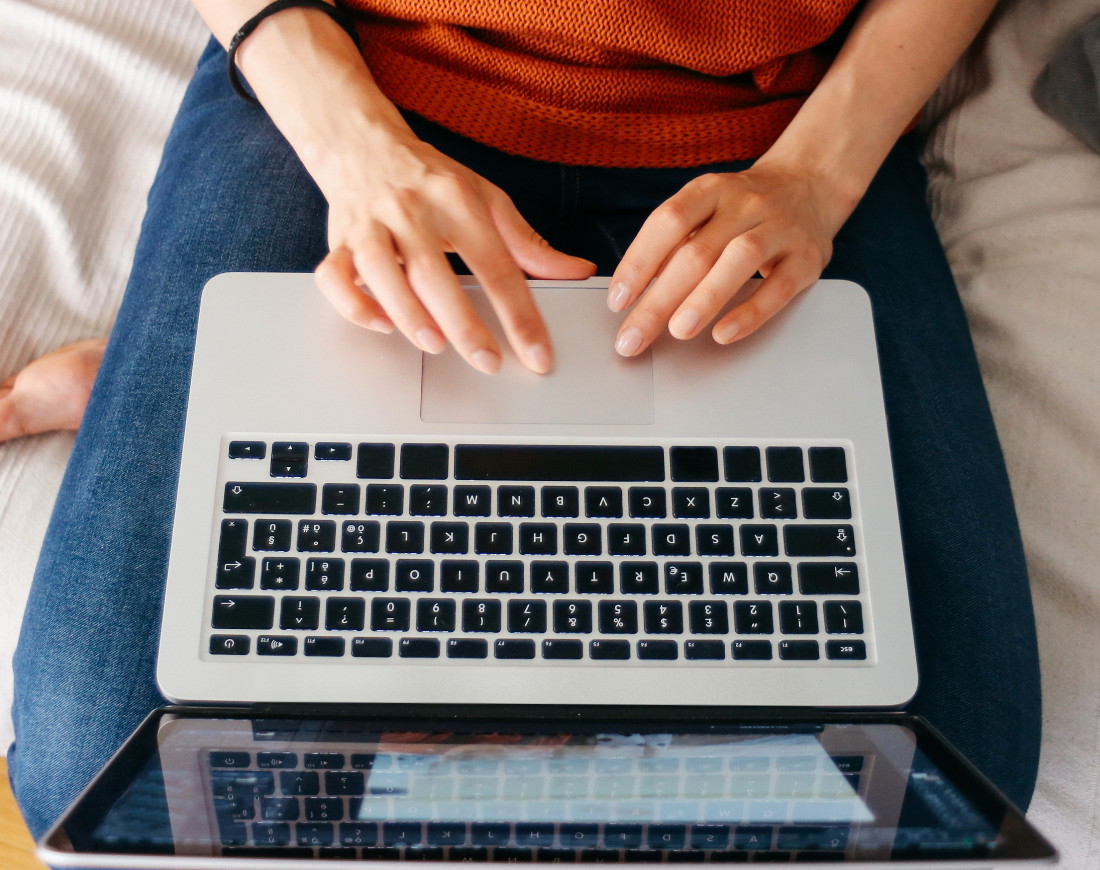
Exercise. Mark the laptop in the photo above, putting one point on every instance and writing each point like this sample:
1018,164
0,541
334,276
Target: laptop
620,613
359,522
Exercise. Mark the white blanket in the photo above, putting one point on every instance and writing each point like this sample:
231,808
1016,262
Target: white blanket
88,90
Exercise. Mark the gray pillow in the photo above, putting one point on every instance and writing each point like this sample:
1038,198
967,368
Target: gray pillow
1068,89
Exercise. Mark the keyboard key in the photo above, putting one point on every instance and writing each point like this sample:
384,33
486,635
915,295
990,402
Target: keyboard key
694,463
360,537
243,611
622,836
556,648
516,501
828,578
289,459
593,463
493,539
572,617
582,539
603,501
428,501
799,650
618,617
538,539
279,573
472,501
316,536
513,648
450,538
269,498
704,650
828,465
667,836
819,540
332,451
626,539
664,617
389,614
240,573
728,578
741,464
560,501
284,760
315,834
609,650
851,650
772,578
708,617
435,614
843,617
446,833
324,575
299,782
594,578
821,503
527,616
385,499
323,760
328,647
733,503
344,614
247,450
272,535
663,650
418,648
504,576
785,464
759,541
369,575
689,502
414,575
375,461
752,650
280,809
281,645
340,498
481,615
233,540
671,539
324,809
425,461
299,614
459,576
638,578
647,502
683,578
714,540
467,648
229,644
550,577
753,617
798,617
778,503
371,647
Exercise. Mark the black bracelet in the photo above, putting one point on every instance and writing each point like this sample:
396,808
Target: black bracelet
340,16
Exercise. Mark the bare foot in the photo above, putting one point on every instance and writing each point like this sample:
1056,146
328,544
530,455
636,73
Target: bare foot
51,392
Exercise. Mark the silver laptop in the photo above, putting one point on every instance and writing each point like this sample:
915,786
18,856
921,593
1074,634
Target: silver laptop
357,522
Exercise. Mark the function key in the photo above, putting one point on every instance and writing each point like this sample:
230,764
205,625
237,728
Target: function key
694,463
375,461
556,648
230,759
704,649
276,759
850,650
741,464
609,650
799,650
662,650
324,760
418,648
752,650
467,648
247,450
289,459
270,645
514,648
425,461
785,464
828,465
374,648
329,647
332,451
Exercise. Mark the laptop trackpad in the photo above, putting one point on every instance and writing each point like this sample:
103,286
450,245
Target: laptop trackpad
590,383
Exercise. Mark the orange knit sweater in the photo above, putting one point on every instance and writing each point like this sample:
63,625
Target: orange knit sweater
604,82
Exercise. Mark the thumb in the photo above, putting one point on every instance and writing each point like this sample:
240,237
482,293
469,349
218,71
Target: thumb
532,253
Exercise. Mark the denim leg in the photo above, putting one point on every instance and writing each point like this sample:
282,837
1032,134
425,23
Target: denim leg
230,196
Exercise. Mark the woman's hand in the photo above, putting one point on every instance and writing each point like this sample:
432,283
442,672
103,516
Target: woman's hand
395,213
702,245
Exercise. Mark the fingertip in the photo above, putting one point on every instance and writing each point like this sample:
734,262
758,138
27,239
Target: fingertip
618,295
539,358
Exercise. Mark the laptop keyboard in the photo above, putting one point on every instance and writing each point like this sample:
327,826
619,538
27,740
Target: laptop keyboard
514,553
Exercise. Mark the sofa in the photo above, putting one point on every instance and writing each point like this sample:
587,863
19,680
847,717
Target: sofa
87,93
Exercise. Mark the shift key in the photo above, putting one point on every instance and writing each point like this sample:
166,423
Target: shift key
270,498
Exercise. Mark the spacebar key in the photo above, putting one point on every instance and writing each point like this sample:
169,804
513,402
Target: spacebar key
270,498
585,462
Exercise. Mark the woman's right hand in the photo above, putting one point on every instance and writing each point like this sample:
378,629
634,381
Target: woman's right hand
395,213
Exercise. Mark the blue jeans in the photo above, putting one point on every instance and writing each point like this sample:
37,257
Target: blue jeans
231,195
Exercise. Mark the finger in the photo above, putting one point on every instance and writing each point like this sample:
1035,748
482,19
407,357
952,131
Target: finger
789,278
532,253
338,281
485,252
376,258
686,268
11,423
663,232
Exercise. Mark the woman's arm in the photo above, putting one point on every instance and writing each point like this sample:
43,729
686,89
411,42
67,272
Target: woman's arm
396,205
780,217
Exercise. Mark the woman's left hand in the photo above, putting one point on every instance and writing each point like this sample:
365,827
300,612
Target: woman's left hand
703,244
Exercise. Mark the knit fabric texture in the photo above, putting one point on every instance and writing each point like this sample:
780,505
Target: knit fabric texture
604,82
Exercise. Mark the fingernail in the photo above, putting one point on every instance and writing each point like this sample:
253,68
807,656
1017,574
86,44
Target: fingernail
381,324
485,360
683,324
618,296
629,341
726,334
539,358
429,340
